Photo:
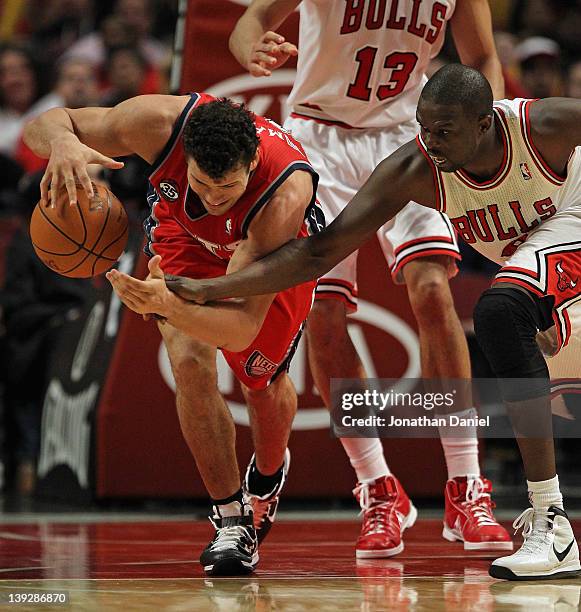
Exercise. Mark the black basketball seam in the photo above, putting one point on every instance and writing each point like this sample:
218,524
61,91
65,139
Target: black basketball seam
74,253
60,231
101,256
90,250
81,247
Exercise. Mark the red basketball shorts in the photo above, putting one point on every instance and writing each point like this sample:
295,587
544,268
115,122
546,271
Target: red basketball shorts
271,352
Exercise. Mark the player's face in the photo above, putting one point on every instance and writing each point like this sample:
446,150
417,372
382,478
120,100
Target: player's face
218,196
451,137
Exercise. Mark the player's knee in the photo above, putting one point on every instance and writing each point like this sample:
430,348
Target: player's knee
192,368
258,396
430,298
505,323
327,324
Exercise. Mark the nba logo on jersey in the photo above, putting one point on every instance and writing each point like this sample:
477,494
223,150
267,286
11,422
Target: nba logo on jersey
228,226
526,173
258,365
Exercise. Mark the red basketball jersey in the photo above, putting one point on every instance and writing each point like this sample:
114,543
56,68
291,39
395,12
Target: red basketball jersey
170,194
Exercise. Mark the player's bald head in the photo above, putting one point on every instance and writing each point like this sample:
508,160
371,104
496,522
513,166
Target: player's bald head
458,85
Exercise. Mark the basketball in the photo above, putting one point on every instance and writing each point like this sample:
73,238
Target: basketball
87,239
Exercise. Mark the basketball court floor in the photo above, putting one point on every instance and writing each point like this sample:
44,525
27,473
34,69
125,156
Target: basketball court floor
139,562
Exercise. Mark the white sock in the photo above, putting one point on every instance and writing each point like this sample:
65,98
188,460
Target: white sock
366,457
545,493
461,453
233,508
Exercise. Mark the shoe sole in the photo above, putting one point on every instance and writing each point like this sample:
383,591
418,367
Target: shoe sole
454,536
408,521
503,573
232,567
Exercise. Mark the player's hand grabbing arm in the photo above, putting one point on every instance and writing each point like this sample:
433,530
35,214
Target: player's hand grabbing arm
255,44
73,139
402,177
471,26
233,324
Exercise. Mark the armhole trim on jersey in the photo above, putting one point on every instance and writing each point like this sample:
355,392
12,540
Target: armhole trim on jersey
269,192
178,128
439,187
541,164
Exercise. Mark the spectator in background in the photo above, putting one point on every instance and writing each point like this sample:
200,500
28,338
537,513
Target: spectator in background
540,66
573,86
56,24
126,72
505,46
130,24
36,303
21,86
76,87
535,17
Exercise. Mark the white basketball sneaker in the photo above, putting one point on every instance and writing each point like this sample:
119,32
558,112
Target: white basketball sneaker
549,549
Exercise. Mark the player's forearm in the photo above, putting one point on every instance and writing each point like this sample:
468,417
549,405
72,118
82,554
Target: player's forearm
294,263
260,17
224,325
249,29
41,132
492,70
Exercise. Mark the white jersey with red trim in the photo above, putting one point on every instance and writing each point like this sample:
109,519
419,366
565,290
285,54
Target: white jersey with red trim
496,216
363,62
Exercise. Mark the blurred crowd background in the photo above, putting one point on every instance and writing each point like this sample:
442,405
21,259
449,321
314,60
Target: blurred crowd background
77,53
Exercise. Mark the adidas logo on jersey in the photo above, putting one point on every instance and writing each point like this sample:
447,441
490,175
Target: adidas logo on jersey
258,365
524,170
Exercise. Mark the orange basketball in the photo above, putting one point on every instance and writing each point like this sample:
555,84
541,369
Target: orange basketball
87,239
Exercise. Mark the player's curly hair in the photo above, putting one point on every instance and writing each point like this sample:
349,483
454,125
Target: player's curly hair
220,136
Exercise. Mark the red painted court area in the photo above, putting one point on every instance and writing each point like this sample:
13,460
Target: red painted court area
304,565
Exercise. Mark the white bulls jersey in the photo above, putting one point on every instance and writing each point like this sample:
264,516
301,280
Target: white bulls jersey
496,216
363,62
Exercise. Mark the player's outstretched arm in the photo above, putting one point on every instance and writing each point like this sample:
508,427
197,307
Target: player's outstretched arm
402,177
556,130
73,139
255,44
471,26
233,324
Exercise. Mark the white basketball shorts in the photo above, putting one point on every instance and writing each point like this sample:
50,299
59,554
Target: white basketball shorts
345,158
549,264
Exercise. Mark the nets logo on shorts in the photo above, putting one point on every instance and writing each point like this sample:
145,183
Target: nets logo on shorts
258,365
169,190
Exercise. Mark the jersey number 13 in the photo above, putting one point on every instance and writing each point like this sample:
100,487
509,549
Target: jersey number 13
401,65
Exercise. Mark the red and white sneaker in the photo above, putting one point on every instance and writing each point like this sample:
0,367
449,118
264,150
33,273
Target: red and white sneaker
387,511
468,516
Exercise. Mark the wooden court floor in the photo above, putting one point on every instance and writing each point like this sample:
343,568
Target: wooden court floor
305,565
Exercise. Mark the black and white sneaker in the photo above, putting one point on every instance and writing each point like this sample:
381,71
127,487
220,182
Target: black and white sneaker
264,506
234,549
549,549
